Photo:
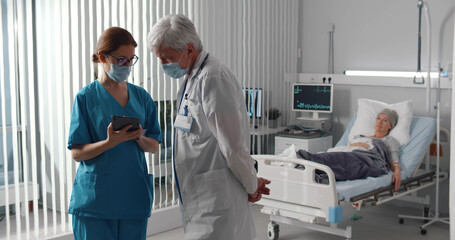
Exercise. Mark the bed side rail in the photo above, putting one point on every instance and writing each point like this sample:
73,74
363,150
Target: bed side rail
376,197
298,186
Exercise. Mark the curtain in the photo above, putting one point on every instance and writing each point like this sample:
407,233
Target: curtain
257,40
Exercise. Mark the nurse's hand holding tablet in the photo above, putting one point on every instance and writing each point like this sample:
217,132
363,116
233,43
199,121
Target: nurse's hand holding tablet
123,129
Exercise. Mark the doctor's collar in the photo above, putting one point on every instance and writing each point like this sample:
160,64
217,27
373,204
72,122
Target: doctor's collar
198,63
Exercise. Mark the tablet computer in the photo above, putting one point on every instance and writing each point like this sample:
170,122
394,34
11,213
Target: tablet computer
120,122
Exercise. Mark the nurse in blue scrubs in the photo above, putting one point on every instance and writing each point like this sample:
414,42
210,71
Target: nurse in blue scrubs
112,192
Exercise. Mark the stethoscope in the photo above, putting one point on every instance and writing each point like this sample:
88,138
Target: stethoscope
185,108
185,113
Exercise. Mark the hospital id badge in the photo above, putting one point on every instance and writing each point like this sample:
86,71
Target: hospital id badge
183,122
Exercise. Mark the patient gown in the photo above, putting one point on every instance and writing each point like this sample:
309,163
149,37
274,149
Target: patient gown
357,164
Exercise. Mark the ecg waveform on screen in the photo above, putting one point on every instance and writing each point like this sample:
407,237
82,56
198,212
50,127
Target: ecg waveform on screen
312,98
317,90
313,106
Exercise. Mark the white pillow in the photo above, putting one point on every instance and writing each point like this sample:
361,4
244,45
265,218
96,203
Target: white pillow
367,112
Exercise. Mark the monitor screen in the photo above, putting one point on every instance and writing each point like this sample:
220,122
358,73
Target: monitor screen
253,101
308,97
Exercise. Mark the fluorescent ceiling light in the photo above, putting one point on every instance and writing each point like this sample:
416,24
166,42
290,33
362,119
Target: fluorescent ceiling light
390,74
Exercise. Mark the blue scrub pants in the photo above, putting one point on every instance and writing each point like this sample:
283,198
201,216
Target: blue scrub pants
88,228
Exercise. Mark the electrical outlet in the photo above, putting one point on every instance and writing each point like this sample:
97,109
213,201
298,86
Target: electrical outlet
318,78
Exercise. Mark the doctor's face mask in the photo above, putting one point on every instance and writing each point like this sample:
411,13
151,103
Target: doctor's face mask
173,70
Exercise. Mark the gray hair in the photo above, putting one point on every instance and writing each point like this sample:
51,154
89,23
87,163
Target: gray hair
173,31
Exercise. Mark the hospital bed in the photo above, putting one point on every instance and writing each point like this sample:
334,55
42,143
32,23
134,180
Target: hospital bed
297,199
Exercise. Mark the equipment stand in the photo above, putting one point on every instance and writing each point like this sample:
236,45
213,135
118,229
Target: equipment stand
432,217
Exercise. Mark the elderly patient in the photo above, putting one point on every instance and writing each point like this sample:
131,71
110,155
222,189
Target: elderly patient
368,156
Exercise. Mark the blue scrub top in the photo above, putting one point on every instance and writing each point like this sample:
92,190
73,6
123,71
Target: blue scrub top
115,184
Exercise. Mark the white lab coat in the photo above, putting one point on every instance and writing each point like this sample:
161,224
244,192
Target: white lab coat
214,168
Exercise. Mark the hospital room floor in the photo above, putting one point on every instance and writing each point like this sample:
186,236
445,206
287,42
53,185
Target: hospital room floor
380,222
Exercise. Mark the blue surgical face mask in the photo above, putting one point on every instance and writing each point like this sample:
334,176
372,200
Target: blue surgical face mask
173,70
119,73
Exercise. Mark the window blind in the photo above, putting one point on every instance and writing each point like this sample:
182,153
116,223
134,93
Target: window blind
46,50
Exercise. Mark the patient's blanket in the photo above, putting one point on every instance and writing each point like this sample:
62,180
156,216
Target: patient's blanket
355,164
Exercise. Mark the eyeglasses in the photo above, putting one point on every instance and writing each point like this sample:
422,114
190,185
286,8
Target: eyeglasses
123,61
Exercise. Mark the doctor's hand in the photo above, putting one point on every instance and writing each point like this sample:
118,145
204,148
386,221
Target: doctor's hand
262,189
116,137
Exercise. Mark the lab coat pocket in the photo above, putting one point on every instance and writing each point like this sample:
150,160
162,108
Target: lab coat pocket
90,192
213,191
199,129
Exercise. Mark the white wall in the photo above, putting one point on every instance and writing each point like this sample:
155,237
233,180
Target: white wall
372,35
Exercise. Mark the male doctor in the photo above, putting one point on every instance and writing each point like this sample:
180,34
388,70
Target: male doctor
215,173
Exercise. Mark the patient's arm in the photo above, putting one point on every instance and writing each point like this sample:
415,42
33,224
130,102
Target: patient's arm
359,144
394,156
396,177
